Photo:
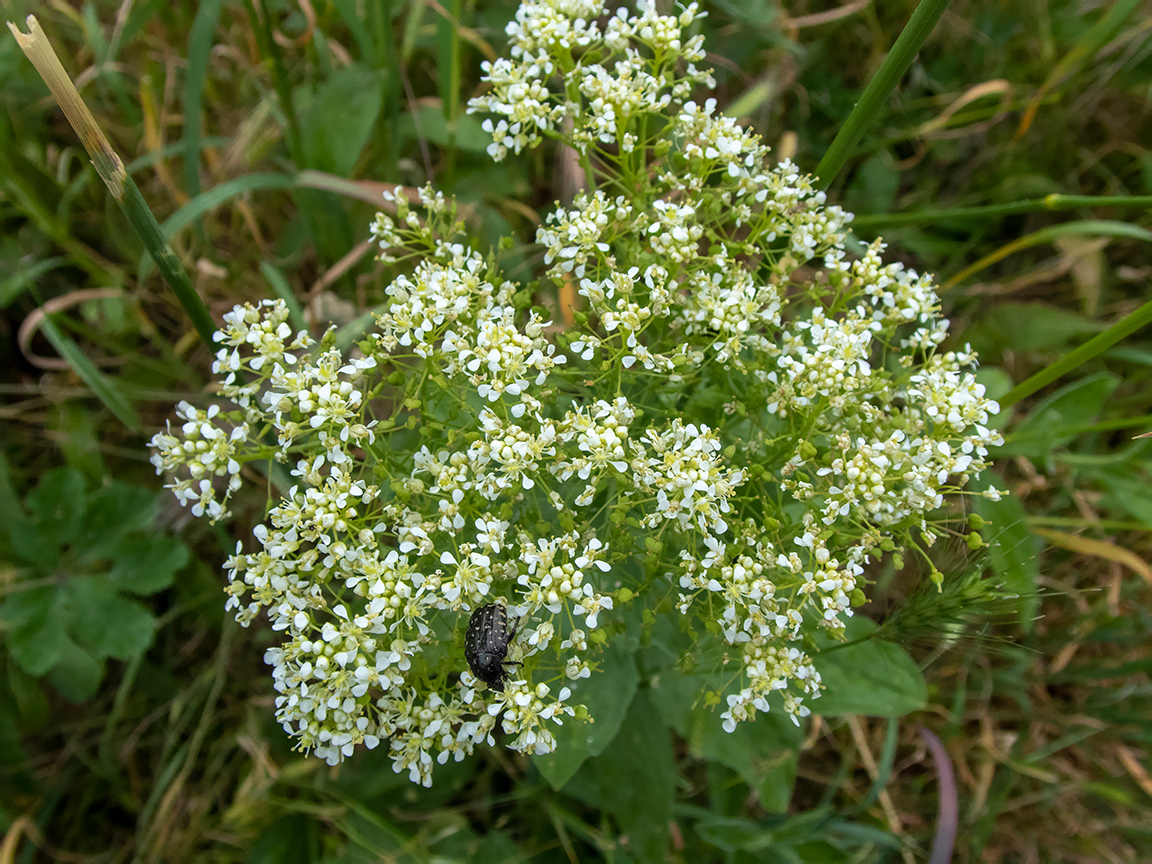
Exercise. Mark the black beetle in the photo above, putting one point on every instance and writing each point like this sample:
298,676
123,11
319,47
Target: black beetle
486,644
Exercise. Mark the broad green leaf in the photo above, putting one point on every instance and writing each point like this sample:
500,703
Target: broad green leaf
36,628
57,505
428,123
497,846
77,674
288,840
106,623
873,677
22,532
607,693
114,511
762,751
337,120
25,695
1075,404
635,780
146,563
1127,493
1028,327
1012,547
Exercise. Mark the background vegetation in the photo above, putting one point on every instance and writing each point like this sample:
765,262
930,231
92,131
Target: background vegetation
260,134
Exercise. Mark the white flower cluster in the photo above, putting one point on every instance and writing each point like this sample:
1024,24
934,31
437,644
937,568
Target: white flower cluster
742,415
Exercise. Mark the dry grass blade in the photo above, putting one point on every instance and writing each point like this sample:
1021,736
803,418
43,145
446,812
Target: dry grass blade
109,166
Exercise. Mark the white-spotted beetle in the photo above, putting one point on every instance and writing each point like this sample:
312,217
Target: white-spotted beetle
486,644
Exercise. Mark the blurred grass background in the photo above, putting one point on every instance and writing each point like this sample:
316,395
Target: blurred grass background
260,134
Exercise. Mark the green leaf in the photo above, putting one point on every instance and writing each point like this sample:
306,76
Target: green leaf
1074,404
1080,355
1127,493
22,532
199,53
106,623
288,840
497,846
634,780
147,563
874,677
114,511
763,751
36,628
77,674
337,120
1012,547
607,693
428,123
733,834
57,505
106,389
1027,328
26,696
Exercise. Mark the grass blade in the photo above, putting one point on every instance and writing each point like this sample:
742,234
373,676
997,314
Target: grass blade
1098,344
86,370
108,165
199,49
1084,228
1053,202
872,100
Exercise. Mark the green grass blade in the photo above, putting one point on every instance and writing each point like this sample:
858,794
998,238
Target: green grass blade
199,49
23,279
100,384
1098,344
221,194
1053,202
872,100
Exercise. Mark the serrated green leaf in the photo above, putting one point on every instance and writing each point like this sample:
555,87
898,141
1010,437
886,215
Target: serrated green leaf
57,505
114,511
874,677
607,694
146,563
36,628
77,673
106,623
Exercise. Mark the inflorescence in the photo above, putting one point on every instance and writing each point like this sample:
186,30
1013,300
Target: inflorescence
740,420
